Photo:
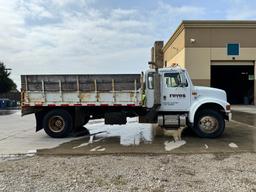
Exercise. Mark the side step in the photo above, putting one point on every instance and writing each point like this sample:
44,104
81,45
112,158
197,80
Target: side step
172,121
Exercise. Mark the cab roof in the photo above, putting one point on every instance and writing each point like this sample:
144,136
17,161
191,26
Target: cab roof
168,69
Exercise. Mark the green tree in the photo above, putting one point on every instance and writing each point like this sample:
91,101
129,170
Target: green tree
6,84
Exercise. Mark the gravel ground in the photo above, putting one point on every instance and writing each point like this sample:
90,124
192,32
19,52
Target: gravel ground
202,172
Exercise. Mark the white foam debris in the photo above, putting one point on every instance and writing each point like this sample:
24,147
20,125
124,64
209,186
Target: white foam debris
96,148
31,153
82,145
132,133
232,145
87,143
91,139
173,145
102,149
206,146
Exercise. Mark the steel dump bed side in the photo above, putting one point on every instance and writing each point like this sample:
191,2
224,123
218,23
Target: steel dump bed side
82,90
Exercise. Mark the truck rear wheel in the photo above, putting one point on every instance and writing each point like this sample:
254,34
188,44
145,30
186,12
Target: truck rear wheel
57,123
209,124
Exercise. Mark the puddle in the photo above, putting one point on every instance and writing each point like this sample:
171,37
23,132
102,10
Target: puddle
244,117
135,138
133,133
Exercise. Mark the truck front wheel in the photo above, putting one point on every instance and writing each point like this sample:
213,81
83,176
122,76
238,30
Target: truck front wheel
209,124
57,123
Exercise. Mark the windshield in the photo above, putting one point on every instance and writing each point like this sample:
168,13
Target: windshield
175,79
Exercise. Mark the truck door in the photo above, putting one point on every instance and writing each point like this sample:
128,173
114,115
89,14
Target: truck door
175,92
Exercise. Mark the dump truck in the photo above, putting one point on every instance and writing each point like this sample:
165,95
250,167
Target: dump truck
62,104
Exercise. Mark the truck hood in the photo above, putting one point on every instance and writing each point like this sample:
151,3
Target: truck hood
211,92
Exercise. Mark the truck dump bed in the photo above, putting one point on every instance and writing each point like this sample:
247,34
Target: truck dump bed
82,90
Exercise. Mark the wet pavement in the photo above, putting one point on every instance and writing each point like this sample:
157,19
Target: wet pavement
237,138
245,114
18,136
251,109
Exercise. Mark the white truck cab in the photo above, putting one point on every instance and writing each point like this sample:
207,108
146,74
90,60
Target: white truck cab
202,108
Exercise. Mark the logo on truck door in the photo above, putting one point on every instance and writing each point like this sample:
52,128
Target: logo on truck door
179,96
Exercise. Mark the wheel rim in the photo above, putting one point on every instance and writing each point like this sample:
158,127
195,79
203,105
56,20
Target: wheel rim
56,124
208,124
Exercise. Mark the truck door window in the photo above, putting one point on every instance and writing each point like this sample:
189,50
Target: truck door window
150,80
172,79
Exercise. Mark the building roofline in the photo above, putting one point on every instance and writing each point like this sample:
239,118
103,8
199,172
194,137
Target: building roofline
226,22
174,36
209,24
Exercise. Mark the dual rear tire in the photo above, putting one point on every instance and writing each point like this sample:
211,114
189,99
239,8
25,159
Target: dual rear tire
58,123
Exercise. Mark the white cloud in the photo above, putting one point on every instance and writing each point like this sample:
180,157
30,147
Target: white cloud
67,2
241,10
33,9
167,16
183,10
124,13
47,36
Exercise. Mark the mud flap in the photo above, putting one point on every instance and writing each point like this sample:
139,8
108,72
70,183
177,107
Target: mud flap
151,116
39,120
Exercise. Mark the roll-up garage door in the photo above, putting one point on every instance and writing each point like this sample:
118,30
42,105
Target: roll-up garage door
236,78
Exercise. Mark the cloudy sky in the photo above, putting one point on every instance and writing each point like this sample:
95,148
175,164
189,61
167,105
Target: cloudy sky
97,36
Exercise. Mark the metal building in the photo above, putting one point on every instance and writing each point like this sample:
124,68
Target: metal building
219,54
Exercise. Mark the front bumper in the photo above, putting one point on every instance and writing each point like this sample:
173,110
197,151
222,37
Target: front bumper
228,116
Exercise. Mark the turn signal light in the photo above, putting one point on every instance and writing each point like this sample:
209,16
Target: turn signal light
228,107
